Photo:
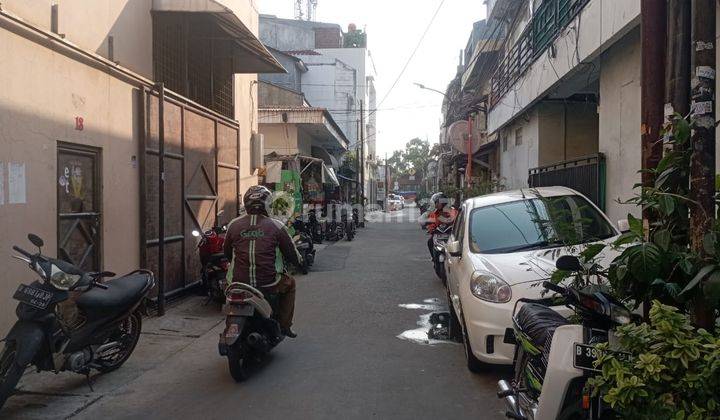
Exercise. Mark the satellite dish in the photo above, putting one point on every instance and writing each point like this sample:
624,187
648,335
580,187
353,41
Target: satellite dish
457,135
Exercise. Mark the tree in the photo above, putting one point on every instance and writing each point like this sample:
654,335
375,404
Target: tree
417,156
397,162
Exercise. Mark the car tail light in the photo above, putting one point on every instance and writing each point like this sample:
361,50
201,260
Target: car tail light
586,402
238,296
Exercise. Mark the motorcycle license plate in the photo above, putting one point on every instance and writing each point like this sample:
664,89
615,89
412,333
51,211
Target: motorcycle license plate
238,310
442,237
586,355
32,296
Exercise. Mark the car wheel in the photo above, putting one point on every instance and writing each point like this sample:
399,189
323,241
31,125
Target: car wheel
474,365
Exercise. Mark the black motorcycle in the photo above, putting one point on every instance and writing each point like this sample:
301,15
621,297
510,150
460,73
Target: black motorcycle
304,244
71,320
314,227
439,239
349,225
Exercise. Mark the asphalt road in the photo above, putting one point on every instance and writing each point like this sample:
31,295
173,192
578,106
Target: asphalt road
347,362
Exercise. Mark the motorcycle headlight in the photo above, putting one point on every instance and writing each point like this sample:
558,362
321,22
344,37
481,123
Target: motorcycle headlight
489,287
620,314
62,280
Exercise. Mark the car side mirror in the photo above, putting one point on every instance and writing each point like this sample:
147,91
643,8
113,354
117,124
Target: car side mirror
623,225
453,248
568,263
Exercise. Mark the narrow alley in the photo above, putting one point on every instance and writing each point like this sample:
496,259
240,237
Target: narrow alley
347,361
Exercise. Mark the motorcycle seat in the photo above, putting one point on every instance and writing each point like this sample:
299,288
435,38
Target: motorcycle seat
121,294
539,322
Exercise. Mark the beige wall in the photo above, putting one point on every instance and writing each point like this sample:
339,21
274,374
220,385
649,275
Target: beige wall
567,131
34,116
280,138
619,113
518,159
88,24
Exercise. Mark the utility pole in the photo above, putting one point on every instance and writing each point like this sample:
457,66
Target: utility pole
653,33
702,160
362,166
357,162
387,183
677,60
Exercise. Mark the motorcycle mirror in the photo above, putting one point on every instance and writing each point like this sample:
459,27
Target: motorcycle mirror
196,233
35,240
568,263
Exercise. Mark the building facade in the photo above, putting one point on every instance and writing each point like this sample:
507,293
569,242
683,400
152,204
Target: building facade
78,134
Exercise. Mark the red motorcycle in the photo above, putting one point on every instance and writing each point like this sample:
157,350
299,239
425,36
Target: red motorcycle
214,263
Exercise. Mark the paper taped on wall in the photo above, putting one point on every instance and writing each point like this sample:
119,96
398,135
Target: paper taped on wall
2,183
16,183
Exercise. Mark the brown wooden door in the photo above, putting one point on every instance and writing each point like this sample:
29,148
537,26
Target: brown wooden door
79,198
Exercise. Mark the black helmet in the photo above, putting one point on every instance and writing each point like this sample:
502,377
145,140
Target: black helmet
256,199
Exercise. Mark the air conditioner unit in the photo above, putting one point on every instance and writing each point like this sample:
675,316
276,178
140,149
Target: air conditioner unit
257,150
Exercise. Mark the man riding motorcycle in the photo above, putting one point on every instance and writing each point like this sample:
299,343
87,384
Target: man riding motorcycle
444,214
256,244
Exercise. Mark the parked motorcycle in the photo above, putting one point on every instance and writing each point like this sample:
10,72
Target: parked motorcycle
440,236
356,217
304,244
315,227
335,231
554,358
71,320
250,329
214,263
349,225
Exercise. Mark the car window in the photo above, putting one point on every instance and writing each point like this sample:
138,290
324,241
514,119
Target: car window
536,223
459,227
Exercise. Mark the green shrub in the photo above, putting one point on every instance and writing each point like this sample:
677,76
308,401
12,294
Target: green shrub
673,371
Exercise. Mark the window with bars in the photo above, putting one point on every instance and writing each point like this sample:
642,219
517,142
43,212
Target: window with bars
518,137
194,58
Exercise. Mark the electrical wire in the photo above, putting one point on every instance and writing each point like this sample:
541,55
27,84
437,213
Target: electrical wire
412,55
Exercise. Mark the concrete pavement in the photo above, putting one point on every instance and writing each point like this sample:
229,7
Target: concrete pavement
347,361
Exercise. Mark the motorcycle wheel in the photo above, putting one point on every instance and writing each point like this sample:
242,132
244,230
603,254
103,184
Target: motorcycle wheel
237,360
440,270
10,372
304,267
128,335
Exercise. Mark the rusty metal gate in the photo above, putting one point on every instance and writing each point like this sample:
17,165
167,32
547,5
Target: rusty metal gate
189,163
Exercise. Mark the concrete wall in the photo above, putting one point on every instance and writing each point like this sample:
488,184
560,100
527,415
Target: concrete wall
290,80
517,159
619,114
280,138
246,98
567,131
88,24
600,24
331,84
269,95
34,117
286,37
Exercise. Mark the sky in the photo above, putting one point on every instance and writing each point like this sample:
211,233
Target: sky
394,28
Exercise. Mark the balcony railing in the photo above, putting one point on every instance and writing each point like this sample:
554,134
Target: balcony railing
548,21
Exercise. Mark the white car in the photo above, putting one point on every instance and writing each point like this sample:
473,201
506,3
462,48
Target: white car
501,248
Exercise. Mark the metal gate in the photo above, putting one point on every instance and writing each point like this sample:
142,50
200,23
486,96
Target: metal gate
585,175
189,162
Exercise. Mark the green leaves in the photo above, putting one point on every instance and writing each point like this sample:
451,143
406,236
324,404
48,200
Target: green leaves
704,272
670,369
662,238
636,225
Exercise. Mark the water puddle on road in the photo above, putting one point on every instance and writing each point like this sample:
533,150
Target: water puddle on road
432,327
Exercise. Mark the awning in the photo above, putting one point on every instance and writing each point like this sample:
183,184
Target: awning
329,176
250,55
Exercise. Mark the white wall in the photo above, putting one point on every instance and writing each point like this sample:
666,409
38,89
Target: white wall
599,25
518,159
619,113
